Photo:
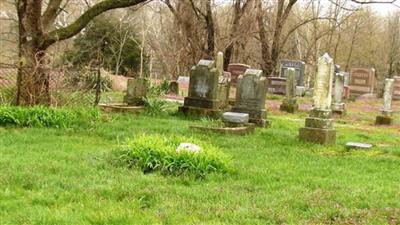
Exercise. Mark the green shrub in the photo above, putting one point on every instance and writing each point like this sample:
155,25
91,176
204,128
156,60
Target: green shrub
41,116
155,90
158,153
155,106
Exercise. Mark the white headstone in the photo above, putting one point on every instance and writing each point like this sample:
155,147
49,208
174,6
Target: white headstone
220,63
388,94
323,83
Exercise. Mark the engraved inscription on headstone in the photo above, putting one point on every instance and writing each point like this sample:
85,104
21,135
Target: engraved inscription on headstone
362,81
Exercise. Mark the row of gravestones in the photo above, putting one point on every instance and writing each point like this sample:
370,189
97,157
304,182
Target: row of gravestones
203,96
359,81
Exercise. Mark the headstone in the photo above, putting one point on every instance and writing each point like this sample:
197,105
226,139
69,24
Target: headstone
299,66
237,69
396,91
276,85
220,63
188,147
289,104
346,87
300,90
183,82
173,87
386,117
357,145
203,90
136,91
362,81
338,107
250,96
319,125
224,87
235,119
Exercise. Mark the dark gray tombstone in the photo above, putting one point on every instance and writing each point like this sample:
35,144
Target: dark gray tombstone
299,66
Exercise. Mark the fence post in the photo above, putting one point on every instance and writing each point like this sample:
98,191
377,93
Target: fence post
98,87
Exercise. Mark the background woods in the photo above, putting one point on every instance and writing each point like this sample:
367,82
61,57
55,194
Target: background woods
164,38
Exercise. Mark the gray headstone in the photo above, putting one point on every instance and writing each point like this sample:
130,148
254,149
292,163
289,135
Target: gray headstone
299,66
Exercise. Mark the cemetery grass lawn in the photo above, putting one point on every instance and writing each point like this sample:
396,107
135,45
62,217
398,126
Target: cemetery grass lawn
63,176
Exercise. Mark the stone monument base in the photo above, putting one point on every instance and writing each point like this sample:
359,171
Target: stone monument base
196,111
384,120
133,101
318,135
338,109
319,128
121,108
289,106
242,130
258,117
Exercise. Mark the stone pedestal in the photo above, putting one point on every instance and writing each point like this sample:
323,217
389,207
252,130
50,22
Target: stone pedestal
136,91
319,125
174,87
289,105
319,128
339,109
387,113
385,119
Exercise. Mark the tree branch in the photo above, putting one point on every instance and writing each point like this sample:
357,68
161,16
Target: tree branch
50,14
85,18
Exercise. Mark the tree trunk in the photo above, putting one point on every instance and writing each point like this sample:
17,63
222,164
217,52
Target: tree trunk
34,81
210,31
229,50
265,56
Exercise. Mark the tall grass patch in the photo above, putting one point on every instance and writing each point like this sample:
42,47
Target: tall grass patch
156,153
41,116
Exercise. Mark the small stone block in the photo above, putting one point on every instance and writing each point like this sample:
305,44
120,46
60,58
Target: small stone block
383,120
233,117
318,136
338,112
357,145
289,106
313,122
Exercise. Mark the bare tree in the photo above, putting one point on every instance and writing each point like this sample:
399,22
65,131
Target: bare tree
37,34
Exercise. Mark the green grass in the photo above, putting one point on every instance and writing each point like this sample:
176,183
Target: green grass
63,176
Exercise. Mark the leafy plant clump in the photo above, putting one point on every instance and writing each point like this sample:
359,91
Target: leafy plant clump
151,153
41,116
